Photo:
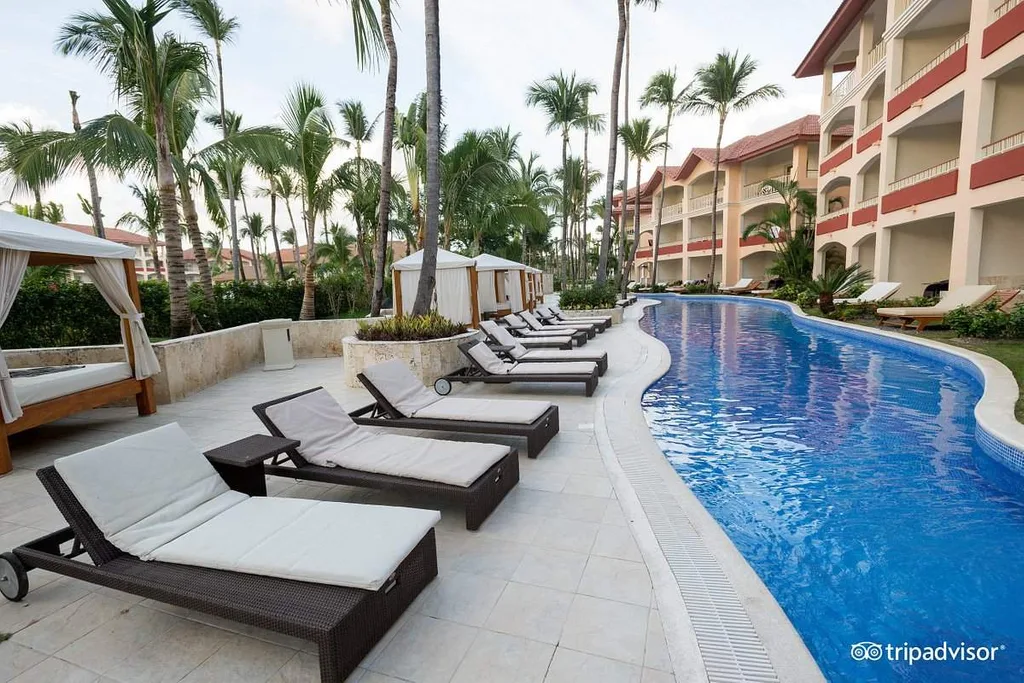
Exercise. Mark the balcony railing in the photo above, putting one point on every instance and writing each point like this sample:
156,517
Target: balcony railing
871,124
842,89
699,238
812,173
927,174
674,210
942,56
1006,7
704,201
758,189
837,150
1005,145
873,57
833,214
865,203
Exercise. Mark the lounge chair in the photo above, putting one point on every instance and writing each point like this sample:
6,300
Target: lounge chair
519,328
157,521
336,450
401,401
537,326
505,343
971,295
878,292
540,341
743,286
486,367
553,313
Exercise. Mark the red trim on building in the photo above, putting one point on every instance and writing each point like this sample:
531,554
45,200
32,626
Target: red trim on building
998,167
702,245
755,241
833,224
1003,30
922,192
670,249
836,160
872,137
868,214
944,72
645,253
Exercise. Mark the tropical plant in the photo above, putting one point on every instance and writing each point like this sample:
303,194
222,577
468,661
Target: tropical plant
359,129
95,200
789,228
428,268
836,281
410,328
256,231
334,253
25,162
146,222
270,166
663,91
410,138
643,142
719,88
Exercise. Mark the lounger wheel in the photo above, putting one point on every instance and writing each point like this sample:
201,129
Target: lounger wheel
442,386
13,577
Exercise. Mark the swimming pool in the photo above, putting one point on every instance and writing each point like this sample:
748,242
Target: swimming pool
849,477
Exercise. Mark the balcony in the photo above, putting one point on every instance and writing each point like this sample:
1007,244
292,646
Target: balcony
673,211
704,201
942,69
874,56
839,156
833,221
1005,145
758,190
1001,160
841,91
1007,24
702,242
865,212
926,186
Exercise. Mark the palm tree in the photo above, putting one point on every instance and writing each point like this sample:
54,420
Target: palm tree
719,88
589,122
269,166
90,172
359,129
147,222
563,99
789,228
387,144
642,143
428,269
209,18
663,91
256,231
24,159
214,242
410,138
123,44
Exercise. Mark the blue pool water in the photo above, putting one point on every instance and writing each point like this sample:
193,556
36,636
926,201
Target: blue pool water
849,477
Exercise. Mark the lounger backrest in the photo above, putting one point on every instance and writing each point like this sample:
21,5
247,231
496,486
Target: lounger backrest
147,489
743,283
555,308
515,322
970,295
544,314
502,336
99,548
402,389
486,360
879,291
318,422
531,321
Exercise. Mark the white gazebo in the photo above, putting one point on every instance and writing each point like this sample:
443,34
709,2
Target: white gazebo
502,285
43,395
455,288
535,285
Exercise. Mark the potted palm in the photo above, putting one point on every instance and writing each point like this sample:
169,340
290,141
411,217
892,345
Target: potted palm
837,281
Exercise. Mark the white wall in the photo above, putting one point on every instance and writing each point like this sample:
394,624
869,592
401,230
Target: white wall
919,254
921,148
1002,246
1008,113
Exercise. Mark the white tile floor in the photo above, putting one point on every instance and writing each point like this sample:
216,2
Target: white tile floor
551,589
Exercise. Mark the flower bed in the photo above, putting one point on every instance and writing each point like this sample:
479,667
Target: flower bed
428,359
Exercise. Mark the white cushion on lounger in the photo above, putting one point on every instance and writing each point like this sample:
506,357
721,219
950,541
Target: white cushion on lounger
487,360
319,423
563,355
581,368
342,544
543,339
503,337
147,489
970,295
399,386
485,410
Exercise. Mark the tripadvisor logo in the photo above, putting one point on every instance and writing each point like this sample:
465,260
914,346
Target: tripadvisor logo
868,651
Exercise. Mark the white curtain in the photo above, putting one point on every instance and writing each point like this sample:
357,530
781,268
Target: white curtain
514,287
109,278
12,270
451,295
485,292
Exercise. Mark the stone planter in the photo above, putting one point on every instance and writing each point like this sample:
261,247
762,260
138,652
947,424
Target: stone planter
614,313
428,360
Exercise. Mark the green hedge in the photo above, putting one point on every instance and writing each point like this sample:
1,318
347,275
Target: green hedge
586,297
987,322
49,314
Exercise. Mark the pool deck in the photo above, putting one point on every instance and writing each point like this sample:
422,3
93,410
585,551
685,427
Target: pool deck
599,566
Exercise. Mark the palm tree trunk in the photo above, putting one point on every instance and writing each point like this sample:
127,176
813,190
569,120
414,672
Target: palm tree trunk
661,204
195,236
90,172
586,198
236,252
636,234
295,247
156,257
613,146
308,311
255,257
425,287
623,275
379,253
273,232
565,200
37,209
714,203
181,316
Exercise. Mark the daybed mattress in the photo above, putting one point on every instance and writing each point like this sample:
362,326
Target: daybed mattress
31,390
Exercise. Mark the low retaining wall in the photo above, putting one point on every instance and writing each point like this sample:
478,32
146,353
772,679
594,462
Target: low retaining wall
193,363
614,313
428,360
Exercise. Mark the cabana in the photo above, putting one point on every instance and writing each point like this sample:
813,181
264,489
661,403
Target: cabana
36,396
536,280
502,285
455,287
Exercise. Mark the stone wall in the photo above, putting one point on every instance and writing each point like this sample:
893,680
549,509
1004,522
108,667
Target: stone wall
323,338
614,313
428,360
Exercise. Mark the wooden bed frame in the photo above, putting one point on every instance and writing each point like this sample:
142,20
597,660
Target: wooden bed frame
41,413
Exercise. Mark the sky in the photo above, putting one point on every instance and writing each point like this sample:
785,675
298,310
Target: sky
491,50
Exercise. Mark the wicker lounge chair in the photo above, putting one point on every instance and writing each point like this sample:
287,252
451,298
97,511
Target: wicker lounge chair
876,293
401,401
519,328
335,450
507,345
550,317
922,316
338,610
486,367
537,326
743,286
554,309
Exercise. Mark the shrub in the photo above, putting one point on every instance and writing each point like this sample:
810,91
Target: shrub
410,328
658,289
806,299
986,322
1015,322
787,292
586,297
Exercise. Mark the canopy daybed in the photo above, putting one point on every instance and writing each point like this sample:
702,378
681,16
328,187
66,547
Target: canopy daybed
455,287
501,285
43,395
536,278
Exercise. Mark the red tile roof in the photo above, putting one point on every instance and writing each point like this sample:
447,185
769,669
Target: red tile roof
190,255
649,186
113,234
837,28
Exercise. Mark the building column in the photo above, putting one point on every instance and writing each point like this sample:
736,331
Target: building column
965,259
731,224
883,239
826,88
867,41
